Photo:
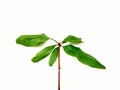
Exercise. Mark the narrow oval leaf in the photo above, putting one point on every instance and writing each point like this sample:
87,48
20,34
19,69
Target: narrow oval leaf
43,53
83,57
72,39
32,40
53,57
89,60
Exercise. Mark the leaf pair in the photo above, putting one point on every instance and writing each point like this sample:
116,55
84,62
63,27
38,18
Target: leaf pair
36,40
82,56
45,52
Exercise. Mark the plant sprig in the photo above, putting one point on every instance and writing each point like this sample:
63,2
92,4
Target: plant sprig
54,50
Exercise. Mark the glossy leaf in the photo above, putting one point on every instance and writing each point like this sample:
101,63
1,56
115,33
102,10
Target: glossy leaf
83,57
53,57
43,53
72,40
32,40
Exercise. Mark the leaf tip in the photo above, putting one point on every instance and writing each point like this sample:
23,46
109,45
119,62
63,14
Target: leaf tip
17,40
103,67
34,60
81,42
50,65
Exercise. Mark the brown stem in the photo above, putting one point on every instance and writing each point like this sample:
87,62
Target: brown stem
59,45
54,41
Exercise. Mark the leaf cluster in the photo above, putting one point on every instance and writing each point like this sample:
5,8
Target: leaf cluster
52,50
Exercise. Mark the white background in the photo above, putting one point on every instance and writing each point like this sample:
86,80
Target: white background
97,22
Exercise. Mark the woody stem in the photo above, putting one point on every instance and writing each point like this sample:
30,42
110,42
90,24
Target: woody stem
59,45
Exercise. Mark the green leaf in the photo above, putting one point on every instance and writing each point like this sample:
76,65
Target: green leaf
72,40
53,57
82,56
32,40
43,53
70,50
